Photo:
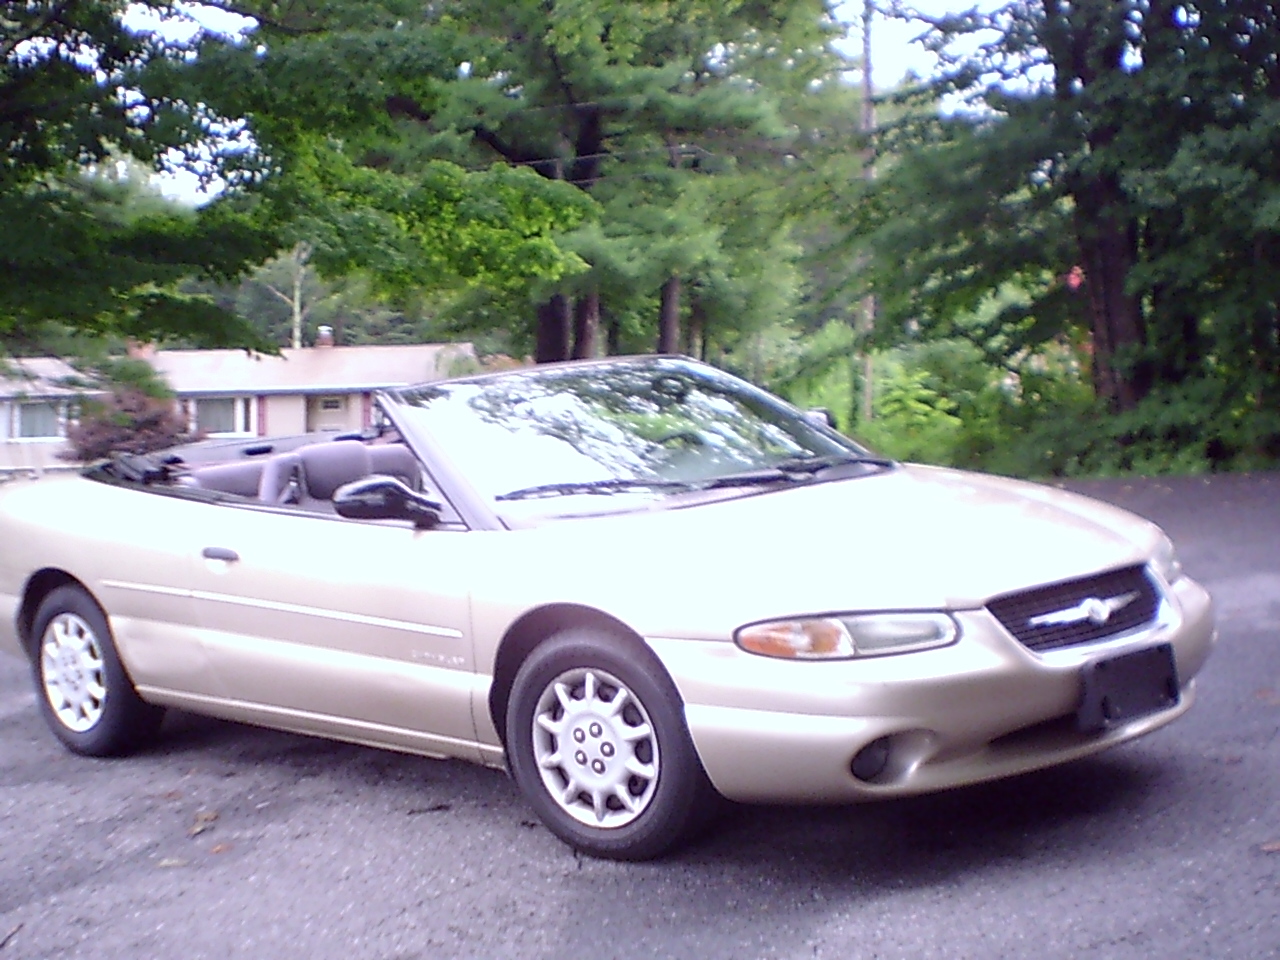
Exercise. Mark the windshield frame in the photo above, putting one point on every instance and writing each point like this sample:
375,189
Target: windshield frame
453,465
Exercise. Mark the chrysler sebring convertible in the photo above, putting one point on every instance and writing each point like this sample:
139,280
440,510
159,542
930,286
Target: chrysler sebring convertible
638,584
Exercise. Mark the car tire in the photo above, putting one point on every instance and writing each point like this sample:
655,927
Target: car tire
597,743
85,695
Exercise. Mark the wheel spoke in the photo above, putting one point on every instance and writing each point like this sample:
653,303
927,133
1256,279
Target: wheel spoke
618,702
645,770
569,796
600,804
562,694
625,798
639,732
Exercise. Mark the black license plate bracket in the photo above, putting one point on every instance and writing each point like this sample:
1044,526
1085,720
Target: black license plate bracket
1127,686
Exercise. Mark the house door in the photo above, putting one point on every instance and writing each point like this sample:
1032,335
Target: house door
329,414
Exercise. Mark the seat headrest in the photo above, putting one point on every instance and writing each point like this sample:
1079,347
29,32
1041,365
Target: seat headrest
327,466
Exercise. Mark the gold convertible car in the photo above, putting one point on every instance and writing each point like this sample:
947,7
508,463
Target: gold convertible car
637,583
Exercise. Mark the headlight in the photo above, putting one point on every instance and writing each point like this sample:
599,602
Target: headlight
846,635
1165,562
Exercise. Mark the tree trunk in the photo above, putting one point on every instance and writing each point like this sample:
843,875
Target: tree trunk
696,335
612,335
669,318
1086,46
1108,246
586,325
555,324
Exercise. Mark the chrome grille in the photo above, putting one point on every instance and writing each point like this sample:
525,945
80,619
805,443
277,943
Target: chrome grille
1079,611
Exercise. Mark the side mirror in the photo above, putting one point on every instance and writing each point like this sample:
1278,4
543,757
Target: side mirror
381,497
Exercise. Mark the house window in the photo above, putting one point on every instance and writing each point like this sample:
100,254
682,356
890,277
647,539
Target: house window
220,416
332,403
39,420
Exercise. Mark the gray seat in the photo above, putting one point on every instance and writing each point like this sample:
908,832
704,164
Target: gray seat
327,466
281,479
395,460
239,477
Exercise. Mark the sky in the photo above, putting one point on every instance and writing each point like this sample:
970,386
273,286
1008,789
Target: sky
894,51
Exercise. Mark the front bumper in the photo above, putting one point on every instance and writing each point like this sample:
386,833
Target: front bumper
986,707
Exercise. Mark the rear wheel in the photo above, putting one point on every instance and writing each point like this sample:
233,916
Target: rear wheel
85,695
597,742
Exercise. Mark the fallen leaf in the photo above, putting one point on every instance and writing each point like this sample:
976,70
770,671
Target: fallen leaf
205,819
1272,847
169,863
171,795
220,848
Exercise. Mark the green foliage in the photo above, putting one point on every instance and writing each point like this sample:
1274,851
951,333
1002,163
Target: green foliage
1116,165
81,254
654,109
944,403
131,374
294,122
86,249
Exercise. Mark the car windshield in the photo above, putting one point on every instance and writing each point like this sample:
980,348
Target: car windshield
652,427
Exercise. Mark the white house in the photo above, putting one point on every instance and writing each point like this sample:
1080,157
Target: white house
38,397
231,393
224,393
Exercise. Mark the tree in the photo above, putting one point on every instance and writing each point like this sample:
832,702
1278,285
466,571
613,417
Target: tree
318,99
88,251
632,103
293,127
1116,165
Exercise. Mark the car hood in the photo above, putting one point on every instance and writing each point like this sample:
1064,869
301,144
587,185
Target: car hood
910,538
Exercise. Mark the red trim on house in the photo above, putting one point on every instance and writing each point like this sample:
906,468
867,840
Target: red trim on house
262,416
366,410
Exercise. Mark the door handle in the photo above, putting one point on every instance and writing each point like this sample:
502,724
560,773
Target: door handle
220,553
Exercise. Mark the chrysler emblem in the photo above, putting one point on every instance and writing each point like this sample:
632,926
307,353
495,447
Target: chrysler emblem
1094,610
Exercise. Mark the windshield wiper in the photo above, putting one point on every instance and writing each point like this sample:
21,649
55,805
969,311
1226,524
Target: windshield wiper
821,461
795,469
614,485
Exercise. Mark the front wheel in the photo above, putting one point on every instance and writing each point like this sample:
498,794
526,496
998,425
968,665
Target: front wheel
597,743
85,695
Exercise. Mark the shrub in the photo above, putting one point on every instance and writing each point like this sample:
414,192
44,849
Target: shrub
129,421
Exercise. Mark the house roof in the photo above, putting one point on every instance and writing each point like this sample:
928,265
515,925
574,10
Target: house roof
41,378
308,369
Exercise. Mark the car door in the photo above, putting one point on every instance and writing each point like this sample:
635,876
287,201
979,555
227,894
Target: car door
135,551
348,628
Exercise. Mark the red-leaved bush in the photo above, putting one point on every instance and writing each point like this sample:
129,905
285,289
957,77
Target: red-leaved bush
128,421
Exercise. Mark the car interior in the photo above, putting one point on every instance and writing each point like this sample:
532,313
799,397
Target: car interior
309,475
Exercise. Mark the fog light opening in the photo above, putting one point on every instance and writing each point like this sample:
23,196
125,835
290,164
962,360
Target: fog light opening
871,761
